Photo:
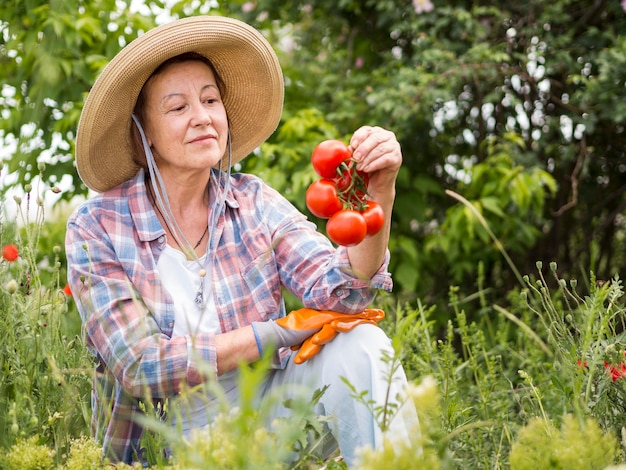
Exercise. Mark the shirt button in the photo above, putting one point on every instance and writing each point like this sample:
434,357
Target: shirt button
339,292
170,324
349,283
161,239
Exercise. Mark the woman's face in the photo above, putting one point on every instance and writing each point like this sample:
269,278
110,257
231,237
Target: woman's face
185,118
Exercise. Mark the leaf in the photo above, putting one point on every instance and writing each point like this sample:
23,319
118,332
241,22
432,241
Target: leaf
492,204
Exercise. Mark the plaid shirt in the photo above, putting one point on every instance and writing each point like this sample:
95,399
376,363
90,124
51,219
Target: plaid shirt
113,244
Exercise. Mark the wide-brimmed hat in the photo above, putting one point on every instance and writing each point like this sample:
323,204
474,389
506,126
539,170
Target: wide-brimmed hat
243,59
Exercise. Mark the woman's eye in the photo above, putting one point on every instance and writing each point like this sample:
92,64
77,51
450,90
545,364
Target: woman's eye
176,109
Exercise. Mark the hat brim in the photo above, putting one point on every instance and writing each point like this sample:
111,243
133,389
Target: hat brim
242,57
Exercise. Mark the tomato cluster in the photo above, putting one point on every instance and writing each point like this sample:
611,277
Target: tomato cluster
340,195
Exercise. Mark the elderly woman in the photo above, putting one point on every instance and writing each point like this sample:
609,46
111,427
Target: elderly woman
178,266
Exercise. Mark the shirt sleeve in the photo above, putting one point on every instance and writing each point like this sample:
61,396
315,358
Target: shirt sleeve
312,268
111,274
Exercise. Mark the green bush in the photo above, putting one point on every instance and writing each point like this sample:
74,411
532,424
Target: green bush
28,454
576,445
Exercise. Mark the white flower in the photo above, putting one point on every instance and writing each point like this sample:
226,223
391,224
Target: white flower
12,286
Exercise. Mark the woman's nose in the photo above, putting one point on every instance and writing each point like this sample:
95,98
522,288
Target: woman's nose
201,115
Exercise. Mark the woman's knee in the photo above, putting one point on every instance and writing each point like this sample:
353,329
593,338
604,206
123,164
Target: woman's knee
365,339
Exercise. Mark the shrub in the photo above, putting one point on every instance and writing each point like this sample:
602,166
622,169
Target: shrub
28,454
580,445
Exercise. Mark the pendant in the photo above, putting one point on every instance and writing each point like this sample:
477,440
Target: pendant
199,300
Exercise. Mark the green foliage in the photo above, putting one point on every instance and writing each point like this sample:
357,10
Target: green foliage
50,54
511,197
44,369
285,160
28,454
553,355
241,435
425,449
576,445
85,454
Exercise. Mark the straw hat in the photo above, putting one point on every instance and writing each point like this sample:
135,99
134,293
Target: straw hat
242,58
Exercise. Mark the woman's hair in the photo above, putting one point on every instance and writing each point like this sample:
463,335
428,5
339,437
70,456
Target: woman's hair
139,155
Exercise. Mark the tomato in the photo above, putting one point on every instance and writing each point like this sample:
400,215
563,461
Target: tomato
328,155
347,227
351,178
374,218
322,198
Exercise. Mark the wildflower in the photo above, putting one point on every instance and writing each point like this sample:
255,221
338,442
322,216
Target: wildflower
581,364
422,6
615,371
624,5
10,252
67,291
248,7
12,286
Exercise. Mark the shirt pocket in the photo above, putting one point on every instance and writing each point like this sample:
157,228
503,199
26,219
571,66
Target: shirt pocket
263,282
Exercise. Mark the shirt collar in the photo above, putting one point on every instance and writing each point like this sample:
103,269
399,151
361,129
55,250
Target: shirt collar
144,216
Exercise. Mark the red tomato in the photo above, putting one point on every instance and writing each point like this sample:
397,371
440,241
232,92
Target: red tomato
322,198
347,228
328,155
374,218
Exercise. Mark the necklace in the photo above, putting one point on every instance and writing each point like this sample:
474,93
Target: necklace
206,230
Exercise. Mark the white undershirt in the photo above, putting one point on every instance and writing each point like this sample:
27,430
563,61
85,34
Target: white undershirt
181,279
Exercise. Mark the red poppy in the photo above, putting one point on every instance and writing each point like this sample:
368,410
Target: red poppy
10,252
615,371
66,290
581,364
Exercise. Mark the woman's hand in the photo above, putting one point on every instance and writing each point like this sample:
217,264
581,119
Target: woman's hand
378,154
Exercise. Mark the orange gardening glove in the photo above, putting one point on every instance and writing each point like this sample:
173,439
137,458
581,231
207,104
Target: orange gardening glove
330,322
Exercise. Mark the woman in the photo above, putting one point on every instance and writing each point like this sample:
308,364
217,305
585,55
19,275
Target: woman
178,266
